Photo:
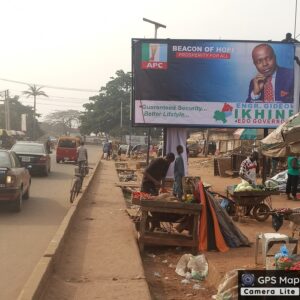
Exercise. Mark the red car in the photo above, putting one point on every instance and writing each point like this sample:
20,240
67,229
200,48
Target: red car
67,149
15,180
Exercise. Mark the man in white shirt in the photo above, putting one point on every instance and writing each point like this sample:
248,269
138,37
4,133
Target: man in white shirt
82,155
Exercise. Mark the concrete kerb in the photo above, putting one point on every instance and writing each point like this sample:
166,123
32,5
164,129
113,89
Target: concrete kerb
38,280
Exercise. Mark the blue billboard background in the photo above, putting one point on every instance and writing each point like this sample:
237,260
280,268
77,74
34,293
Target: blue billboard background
203,80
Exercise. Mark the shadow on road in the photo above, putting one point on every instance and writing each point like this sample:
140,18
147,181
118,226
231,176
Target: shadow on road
34,212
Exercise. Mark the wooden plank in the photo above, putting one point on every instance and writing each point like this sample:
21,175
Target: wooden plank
224,164
125,170
169,204
166,235
128,184
142,230
121,165
167,241
180,211
195,232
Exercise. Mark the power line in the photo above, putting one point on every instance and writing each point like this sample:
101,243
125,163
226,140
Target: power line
51,96
51,104
51,86
62,101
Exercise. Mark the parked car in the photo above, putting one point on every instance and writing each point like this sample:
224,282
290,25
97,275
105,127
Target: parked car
14,180
33,156
194,149
67,148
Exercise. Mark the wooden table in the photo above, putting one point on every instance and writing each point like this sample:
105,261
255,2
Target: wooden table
170,239
125,170
123,165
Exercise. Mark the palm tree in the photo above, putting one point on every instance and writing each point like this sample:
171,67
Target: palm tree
34,91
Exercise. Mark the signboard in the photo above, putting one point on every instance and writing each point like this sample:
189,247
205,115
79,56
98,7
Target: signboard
136,139
205,83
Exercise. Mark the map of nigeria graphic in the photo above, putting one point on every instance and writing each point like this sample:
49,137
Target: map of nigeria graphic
224,113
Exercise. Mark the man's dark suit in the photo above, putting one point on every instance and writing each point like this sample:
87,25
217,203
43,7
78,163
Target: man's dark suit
284,87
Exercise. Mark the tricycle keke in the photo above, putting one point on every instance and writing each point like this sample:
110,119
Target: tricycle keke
256,204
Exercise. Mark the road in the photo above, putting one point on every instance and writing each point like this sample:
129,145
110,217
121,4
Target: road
25,236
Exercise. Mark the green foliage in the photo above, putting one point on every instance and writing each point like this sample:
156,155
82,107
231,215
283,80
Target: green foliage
34,91
16,110
103,112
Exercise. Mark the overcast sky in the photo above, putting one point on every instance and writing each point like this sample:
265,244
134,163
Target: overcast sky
82,43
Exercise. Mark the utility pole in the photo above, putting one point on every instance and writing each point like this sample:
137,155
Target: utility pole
156,26
295,24
121,122
6,108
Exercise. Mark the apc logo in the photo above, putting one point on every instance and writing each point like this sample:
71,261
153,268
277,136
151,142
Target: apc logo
154,56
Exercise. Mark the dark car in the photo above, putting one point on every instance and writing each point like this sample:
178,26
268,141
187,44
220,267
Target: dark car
193,149
34,156
14,180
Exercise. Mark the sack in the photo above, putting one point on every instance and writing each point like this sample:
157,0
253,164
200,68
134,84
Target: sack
105,155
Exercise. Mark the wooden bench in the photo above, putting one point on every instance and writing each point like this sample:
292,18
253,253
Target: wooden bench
125,170
121,165
171,239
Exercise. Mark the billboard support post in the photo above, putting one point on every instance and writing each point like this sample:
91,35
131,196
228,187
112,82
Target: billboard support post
264,170
156,26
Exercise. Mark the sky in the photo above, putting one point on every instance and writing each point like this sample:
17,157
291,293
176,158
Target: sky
81,44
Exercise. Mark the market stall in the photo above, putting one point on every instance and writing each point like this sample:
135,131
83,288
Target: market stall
165,208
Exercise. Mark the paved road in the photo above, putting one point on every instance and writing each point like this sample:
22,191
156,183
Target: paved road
25,236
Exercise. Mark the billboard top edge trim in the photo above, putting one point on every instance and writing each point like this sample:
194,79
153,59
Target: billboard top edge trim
214,40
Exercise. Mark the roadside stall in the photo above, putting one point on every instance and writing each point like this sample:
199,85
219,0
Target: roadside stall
208,226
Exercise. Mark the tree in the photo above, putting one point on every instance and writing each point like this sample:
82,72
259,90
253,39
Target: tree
16,110
34,91
103,113
63,122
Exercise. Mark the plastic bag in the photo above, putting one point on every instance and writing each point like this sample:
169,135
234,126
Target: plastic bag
284,252
196,265
228,287
181,267
199,267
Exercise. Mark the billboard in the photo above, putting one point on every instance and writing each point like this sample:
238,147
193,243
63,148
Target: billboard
205,83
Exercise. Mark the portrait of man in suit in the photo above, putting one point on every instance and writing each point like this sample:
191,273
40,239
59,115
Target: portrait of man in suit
272,83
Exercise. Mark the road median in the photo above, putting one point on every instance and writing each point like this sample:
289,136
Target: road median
37,282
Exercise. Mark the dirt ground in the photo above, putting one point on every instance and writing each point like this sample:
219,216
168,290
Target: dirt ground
162,260
77,274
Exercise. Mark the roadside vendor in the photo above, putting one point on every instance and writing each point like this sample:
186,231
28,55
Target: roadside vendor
248,168
155,173
178,173
153,180
293,177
